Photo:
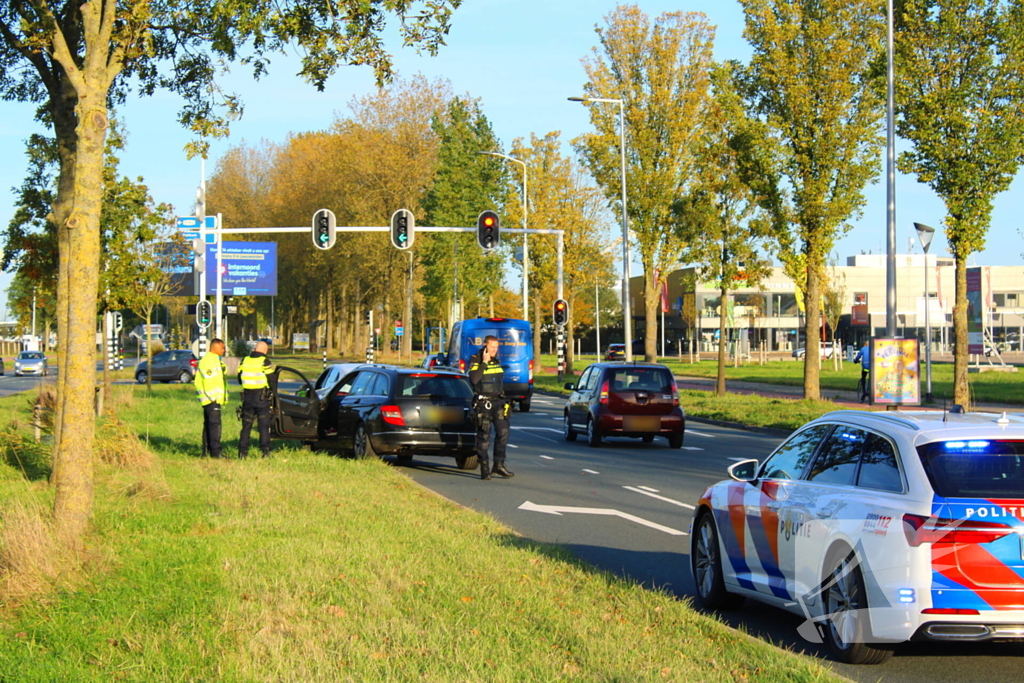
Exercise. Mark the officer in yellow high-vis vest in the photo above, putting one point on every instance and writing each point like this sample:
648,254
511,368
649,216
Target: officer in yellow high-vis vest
212,390
490,407
256,398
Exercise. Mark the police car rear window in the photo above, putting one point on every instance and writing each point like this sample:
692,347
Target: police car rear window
640,379
975,468
428,384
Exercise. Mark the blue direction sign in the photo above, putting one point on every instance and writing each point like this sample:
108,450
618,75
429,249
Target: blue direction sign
188,226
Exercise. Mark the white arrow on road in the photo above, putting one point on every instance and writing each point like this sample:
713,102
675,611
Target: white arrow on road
559,509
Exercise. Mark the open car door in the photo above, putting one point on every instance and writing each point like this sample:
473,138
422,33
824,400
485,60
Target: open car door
296,405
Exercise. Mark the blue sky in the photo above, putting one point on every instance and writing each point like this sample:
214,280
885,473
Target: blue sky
522,58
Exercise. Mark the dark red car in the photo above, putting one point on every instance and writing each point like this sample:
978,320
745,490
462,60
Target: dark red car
638,400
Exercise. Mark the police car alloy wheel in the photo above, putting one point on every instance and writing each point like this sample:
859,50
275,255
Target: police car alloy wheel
846,609
706,565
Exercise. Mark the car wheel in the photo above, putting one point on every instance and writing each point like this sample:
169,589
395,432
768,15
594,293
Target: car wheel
847,625
361,444
648,438
467,462
675,441
184,377
404,457
706,567
524,406
141,376
567,431
593,433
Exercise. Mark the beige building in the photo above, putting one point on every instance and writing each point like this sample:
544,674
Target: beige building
772,313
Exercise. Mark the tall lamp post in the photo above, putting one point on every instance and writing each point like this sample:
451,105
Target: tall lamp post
526,246
924,235
627,313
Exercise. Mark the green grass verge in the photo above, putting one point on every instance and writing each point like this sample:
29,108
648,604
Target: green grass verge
757,411
307,567
989,387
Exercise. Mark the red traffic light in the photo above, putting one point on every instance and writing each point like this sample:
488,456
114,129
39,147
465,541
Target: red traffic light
487,230
488,221
560,312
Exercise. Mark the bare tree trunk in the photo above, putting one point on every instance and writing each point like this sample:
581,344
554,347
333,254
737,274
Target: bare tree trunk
722,333
536,333
79,258
812,357
652,299
961,388
149,351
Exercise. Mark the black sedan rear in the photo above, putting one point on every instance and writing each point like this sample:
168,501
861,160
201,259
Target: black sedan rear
377,410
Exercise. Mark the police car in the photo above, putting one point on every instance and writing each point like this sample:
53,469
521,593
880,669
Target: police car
878,528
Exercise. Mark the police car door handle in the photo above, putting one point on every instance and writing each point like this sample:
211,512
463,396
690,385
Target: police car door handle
825,513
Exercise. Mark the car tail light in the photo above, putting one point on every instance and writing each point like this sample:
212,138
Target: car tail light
424,374
194,363
392,415
530,367
675,393
462,365
604,393
920,529
950,610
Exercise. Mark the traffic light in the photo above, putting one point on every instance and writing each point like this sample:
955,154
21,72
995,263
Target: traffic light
402,226
487,227
204,314
325,227
560,312
366,317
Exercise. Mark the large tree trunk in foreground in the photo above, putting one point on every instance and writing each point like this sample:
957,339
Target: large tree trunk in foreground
79,266
961,389
652,300
812,333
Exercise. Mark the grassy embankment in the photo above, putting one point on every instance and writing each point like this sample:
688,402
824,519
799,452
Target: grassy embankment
307,567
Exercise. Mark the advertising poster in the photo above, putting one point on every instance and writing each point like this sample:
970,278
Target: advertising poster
250,269
895,372
300,341
975,312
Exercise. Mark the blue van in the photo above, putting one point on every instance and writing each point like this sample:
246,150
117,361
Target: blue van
515,351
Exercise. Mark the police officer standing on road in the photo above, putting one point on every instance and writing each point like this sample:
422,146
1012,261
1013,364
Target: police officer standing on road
256,398
489,406
212,390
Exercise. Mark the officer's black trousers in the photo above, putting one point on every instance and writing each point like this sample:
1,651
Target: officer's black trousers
255,408
496,415
211,430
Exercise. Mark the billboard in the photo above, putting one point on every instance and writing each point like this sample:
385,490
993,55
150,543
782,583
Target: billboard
975,312
250,269
895,372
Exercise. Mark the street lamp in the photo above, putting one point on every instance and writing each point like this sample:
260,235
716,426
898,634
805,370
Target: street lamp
627,313
924,235
526,247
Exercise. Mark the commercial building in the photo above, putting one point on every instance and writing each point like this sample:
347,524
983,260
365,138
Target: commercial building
771,314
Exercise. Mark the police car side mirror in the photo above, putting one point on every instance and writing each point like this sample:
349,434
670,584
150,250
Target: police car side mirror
570,386
745,470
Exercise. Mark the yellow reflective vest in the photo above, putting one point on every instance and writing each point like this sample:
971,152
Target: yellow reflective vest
211,380
253,371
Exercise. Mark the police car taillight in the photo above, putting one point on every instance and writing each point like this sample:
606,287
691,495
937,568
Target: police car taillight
920,529
604,393
462,365
951,610
392,415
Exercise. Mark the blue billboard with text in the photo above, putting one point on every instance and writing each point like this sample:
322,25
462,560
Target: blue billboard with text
249,269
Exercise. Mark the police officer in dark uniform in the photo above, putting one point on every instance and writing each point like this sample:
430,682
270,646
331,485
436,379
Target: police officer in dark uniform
256,398
490,407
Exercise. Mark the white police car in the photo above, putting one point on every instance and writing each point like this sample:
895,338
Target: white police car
878,528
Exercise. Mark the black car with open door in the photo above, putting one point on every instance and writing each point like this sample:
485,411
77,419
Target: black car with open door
378,410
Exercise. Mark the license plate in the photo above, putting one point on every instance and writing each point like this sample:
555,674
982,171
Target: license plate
440,415
641,423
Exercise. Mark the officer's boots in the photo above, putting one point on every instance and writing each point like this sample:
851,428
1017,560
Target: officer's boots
499,468
485,470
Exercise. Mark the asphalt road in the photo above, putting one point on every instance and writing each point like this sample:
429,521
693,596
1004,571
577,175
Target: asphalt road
632,508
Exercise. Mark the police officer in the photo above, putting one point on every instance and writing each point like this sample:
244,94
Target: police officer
256,398
490,406
212,391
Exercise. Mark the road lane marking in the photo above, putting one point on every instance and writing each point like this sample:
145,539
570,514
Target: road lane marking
542,429
690,431
591,472
738,459
654,495
691,448
512,445
648,488
559,510
547,457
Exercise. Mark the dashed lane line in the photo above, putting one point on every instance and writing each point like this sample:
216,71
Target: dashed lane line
654,495
648,488
591,472
546,457
690,431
